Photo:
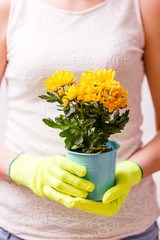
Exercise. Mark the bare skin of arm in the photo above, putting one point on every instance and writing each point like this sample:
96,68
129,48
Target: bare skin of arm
6,156
149,156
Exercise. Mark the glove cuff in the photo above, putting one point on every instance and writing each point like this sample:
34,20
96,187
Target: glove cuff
141,170
23,169
11,165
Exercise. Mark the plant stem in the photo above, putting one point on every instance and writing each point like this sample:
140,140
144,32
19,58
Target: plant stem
82,116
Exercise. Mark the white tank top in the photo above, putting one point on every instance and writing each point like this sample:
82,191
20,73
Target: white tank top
42,39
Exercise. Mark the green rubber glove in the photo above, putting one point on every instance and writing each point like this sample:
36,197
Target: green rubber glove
54,177
127,174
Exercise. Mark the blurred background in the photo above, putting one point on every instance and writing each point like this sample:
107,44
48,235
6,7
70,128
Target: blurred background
148,126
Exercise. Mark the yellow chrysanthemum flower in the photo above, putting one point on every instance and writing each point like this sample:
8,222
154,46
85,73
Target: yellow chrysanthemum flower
110,104
124,102
71,92
81,92
93,93
105,76
59,79
117,91
98,76
50,86
116,99
94,86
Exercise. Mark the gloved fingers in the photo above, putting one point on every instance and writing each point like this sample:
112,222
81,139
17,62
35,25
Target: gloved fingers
122,198
95,211
65,188
88,205
72,179
94,207
70,166
116,204
115,192
58,197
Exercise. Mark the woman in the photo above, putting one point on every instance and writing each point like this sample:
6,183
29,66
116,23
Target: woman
37,38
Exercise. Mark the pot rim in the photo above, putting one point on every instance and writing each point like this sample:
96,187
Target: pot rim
95,154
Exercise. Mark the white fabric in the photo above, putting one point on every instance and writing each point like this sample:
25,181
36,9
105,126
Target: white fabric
42,39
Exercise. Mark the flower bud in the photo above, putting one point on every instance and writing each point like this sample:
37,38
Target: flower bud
65,101
61,92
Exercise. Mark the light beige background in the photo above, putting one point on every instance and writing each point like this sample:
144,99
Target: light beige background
148,126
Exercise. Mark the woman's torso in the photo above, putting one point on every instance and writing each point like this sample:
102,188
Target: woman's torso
42,39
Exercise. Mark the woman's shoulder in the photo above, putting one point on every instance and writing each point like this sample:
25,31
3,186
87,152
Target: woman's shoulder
4,14
4,7
150,10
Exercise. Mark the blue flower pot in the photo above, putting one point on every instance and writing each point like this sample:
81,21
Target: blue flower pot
100,169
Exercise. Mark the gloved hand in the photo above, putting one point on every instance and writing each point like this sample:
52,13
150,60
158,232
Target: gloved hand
54,177
127,174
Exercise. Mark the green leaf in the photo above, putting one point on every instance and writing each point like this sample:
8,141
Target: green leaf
49,122
80,146
117,124
115,117
105,118
87,122
73,136
71,112
88,142
51,97
60,122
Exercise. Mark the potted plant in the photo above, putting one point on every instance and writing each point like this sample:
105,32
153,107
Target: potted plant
91,114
